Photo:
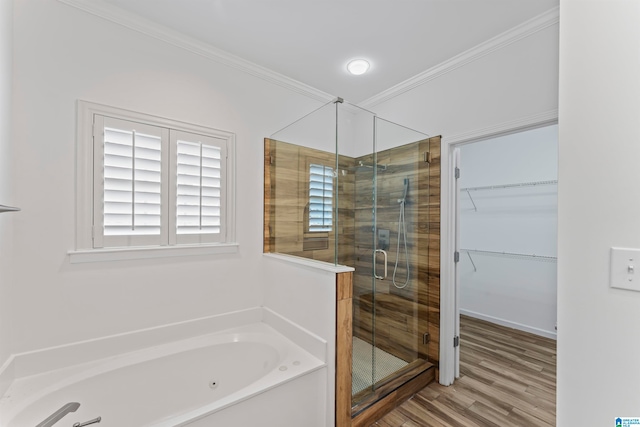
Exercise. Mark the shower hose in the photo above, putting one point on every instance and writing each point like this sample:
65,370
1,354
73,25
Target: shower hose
402,232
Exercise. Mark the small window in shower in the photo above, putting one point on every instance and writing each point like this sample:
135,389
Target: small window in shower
320,198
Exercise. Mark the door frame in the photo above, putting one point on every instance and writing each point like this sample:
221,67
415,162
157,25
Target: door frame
449,314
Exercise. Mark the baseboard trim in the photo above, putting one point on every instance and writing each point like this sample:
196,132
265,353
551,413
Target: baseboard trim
510,324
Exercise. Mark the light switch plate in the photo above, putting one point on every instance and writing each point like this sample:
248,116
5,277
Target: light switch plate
625,269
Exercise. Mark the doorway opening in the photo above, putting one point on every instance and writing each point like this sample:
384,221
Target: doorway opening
502,235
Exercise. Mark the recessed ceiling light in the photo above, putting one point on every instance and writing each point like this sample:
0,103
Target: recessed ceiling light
358,66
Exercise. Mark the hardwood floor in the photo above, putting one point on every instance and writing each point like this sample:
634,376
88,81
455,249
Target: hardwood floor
508,378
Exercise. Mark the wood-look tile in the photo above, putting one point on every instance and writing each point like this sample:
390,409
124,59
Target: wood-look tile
393,419
404,336
444,412
459,402
521,418
421,415
481,392
508,379
485,412
489,377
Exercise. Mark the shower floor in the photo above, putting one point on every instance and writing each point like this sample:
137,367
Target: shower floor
362,376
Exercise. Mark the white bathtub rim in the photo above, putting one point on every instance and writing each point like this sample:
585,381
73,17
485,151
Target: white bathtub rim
46,383
35,362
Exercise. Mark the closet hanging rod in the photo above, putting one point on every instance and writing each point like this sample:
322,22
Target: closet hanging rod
512,254
4,208
516,185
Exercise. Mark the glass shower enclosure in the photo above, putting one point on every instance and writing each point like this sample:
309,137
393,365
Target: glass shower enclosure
350,188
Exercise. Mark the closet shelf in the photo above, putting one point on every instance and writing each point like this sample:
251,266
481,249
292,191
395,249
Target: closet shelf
516,185
502,186
4,208
543,258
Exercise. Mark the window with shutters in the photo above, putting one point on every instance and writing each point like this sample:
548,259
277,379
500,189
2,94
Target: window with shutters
155,182
320,198
198,191
129,189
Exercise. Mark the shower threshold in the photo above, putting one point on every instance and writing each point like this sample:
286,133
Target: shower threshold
371,404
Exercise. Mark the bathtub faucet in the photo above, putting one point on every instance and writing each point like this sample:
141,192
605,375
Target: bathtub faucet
56,416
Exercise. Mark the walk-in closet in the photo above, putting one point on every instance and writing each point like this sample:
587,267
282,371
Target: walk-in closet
508,229
507,278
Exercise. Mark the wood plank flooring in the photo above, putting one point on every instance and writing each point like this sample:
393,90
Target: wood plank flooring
508,378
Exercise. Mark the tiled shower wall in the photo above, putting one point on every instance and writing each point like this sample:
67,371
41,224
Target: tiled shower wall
286,197
402,316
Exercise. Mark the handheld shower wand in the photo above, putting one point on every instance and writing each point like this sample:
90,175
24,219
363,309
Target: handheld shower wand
404,191
402,232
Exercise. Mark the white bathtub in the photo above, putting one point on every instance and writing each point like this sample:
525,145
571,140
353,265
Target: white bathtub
236,377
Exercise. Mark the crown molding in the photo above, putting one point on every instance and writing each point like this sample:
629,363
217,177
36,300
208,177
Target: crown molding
528,122
519,32
167,35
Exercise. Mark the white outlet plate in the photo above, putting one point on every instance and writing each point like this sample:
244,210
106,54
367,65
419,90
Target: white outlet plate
625,269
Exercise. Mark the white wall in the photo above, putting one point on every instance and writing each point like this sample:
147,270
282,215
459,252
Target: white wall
519,80
61,55
515,292
598,208
316,129
6,182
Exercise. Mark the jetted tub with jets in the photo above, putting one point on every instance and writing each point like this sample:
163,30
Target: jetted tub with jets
251,375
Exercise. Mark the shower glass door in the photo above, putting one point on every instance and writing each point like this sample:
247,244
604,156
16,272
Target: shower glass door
390,285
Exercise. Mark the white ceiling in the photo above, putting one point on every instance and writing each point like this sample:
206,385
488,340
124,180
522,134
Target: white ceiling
312,40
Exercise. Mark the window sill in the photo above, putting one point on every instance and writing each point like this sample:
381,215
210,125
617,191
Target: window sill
119,254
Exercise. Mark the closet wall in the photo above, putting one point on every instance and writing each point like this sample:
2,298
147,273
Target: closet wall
508,239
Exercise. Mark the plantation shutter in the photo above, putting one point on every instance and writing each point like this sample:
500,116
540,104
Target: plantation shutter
320,198
129,197
199,193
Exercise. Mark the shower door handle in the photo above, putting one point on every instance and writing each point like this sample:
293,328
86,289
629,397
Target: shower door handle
375,255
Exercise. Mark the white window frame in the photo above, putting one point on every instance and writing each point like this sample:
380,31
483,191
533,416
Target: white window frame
85,205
